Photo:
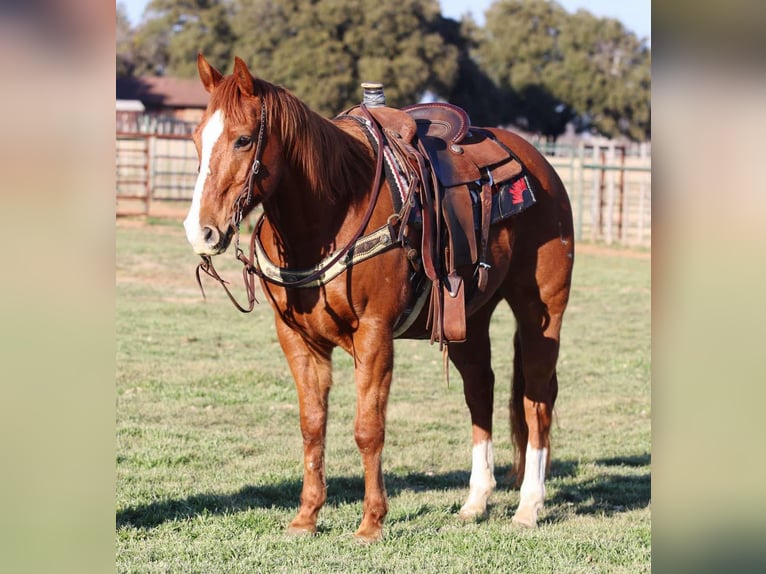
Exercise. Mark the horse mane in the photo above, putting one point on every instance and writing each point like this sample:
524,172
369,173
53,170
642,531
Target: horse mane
333,161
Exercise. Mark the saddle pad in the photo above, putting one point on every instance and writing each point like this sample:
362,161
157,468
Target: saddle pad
512,197
395,173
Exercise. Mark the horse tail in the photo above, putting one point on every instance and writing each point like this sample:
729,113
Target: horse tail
519,429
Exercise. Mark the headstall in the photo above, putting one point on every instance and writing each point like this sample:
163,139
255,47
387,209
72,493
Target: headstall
258,262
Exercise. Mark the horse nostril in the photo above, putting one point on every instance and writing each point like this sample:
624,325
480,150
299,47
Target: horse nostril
210,235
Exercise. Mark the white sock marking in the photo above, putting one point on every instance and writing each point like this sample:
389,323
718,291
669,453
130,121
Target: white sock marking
482,478
533,485
210,134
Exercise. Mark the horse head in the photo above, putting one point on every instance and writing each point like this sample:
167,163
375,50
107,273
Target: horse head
238,161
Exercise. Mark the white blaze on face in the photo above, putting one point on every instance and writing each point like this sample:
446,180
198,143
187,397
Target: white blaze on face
210,134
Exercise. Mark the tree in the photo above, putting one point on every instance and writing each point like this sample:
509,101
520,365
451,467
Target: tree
518,50
323,50
533,64
174,31
560,67
124,41
608,76
473,89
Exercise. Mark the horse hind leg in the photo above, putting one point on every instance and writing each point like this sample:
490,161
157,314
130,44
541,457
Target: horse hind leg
472,360
533,395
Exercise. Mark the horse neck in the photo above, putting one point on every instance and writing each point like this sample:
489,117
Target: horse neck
319,199
298,216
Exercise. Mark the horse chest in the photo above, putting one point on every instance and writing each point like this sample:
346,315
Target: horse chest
321,315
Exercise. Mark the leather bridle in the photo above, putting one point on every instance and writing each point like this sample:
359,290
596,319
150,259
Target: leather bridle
246,196
251,265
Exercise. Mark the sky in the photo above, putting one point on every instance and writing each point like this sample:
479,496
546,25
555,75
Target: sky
636,15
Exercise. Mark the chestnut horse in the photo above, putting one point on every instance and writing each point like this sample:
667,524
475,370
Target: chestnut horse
316,180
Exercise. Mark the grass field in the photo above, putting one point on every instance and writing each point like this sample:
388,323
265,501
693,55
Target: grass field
209,456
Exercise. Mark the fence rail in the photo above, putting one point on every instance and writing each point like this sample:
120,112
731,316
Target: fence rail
610,187
609,184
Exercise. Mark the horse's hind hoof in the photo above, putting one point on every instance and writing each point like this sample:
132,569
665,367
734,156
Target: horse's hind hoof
368,536
525,519
472,515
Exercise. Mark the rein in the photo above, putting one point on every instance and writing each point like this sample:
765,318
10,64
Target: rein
327,269
240,205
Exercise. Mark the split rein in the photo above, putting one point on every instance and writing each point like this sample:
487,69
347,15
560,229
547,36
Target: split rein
251,267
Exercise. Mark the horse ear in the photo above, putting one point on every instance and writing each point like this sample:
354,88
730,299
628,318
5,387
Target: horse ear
208,74
244,77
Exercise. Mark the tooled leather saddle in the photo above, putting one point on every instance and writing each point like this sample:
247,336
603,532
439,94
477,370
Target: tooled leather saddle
453,173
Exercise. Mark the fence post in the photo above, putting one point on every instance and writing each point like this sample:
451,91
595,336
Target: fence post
595,211
608,174
641,206
580,191
623,199
150,153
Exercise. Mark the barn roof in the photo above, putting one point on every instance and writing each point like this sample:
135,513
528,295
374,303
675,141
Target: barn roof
130,106
163,92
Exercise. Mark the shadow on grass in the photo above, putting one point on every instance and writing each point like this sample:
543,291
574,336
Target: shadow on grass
285,495
606,493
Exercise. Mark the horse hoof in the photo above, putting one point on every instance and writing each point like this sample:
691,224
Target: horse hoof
368,536
301,530
526,518
472,514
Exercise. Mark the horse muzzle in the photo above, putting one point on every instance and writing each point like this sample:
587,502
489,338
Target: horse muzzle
207,239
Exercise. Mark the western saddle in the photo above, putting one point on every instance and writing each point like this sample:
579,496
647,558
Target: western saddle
446,160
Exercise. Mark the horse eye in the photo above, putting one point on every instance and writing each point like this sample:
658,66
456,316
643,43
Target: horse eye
243,141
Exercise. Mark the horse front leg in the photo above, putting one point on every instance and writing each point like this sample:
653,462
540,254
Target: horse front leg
312,371
373,382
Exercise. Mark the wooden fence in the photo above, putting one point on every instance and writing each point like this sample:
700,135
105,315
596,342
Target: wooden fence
153,169
610,184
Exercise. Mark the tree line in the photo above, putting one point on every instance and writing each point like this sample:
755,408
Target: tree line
533,64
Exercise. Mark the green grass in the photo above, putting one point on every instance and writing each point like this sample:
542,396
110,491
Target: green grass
209,455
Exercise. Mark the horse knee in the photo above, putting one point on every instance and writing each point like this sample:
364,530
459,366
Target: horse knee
313,428
369,437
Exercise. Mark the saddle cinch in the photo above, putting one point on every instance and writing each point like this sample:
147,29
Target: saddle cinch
447,161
